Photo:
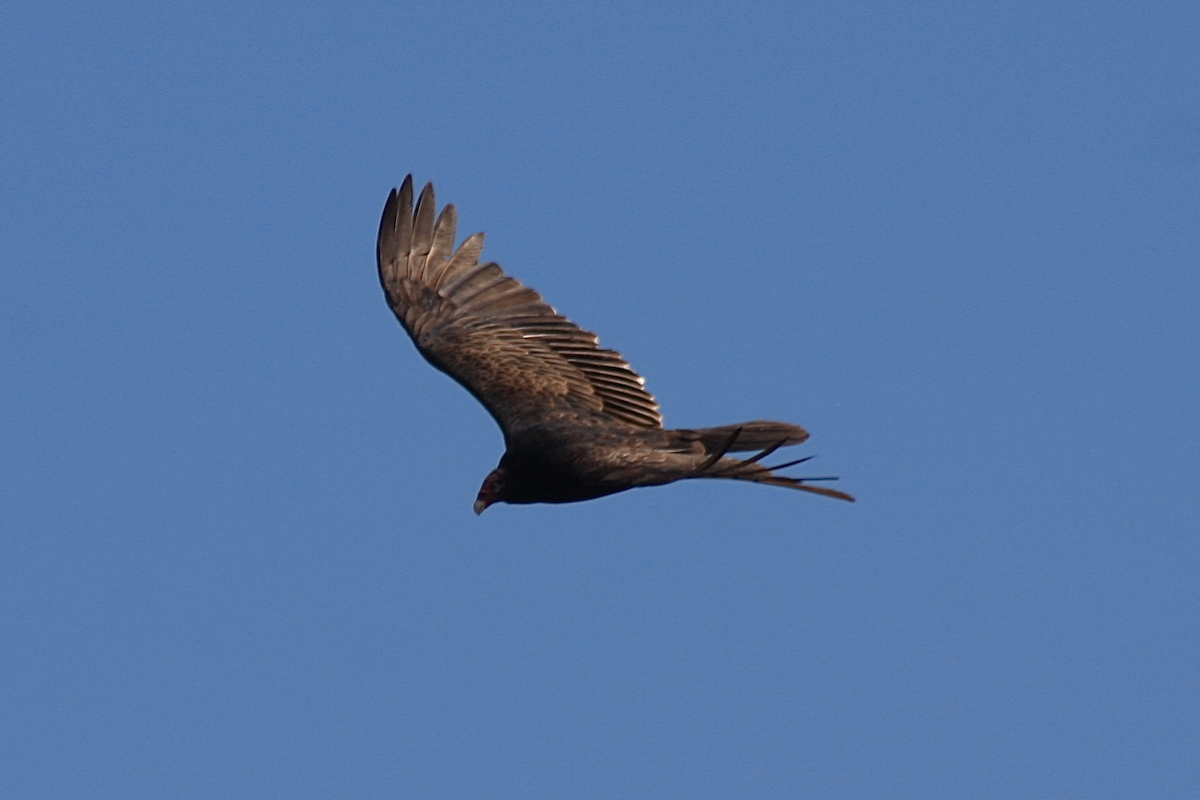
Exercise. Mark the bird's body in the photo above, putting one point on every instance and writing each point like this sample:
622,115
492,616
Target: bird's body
577,420
562,462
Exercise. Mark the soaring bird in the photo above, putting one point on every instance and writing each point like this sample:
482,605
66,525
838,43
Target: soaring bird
578,422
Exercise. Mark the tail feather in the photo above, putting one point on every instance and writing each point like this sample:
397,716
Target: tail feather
757,435
766,438
771,479
751,470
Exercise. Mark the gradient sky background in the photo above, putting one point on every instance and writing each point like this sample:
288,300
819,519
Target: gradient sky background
959,244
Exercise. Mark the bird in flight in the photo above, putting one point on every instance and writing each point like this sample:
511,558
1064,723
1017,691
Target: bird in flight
578,422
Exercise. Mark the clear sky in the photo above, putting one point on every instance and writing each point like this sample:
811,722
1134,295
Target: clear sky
959,243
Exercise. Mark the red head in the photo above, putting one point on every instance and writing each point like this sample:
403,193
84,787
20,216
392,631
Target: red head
491,491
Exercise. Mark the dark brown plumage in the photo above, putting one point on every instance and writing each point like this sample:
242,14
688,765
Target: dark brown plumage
578,422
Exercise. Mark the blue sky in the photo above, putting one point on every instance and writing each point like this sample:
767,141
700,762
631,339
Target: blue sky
958,243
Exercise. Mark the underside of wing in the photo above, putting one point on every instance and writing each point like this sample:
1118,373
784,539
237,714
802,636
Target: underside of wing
496,337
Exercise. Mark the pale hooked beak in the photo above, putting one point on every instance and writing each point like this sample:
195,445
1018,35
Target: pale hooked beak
480,505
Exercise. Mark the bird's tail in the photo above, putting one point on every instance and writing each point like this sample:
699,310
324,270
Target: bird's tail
747,436
766,437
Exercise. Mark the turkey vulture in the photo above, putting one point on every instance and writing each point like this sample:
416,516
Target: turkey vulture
577,420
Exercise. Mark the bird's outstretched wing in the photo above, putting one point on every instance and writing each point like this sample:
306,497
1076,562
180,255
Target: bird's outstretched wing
525,362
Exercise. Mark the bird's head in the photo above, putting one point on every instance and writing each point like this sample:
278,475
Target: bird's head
492,489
